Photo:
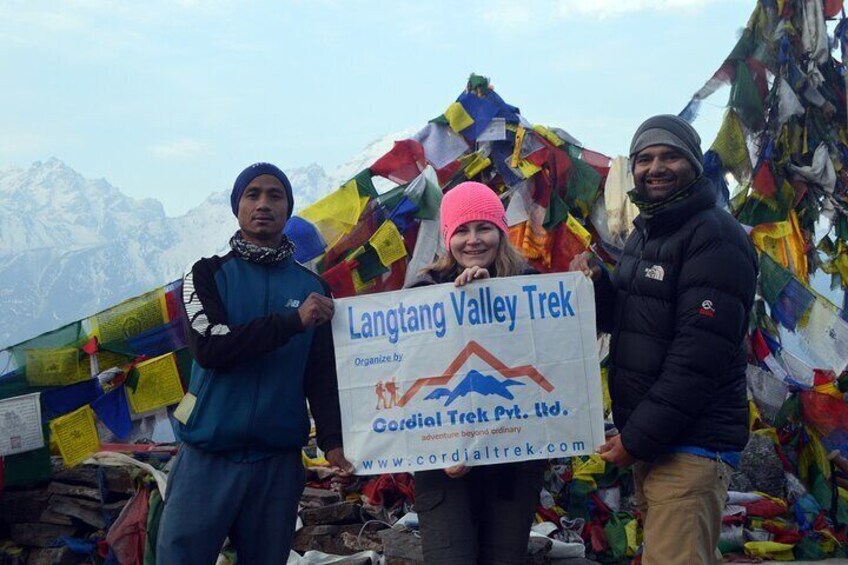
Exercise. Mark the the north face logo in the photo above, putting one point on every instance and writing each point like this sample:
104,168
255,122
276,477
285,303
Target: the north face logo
656,272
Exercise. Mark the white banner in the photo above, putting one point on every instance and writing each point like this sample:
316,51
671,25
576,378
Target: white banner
498,371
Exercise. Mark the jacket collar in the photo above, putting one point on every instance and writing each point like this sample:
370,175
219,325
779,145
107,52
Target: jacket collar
669,219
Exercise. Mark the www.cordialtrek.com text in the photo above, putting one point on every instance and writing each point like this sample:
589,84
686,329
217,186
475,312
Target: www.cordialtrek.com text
482,455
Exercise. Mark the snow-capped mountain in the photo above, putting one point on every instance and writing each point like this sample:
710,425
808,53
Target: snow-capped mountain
71,246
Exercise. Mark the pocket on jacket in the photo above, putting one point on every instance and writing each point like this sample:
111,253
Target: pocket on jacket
200,401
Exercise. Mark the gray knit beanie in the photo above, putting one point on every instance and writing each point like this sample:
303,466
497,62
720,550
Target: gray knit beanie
667,129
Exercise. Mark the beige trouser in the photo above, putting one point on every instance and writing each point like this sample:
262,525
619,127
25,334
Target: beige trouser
681,498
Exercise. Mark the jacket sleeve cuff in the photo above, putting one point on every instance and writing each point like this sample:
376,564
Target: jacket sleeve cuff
329,443
291,322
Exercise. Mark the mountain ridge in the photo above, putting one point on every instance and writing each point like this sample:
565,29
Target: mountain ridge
72,246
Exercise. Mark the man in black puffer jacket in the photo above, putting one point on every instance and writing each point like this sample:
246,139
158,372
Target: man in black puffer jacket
677,307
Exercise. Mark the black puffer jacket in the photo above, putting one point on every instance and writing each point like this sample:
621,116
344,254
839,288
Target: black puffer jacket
677,307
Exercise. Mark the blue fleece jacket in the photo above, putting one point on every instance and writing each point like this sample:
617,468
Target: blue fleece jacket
255,365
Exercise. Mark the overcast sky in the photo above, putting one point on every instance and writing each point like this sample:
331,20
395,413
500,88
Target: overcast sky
172,99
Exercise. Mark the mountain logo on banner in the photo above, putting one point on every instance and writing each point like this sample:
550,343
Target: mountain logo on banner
474,380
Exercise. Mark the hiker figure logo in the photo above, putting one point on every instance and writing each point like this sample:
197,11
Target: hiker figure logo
387,394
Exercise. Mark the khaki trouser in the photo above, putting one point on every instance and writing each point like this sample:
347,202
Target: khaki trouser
681,498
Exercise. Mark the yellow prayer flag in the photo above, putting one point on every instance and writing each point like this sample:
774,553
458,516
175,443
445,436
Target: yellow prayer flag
457,117
753,414
131,317
158,384
769,238
830,389
516,151
388,243
359,285
586,470
634,537
527,168
476,166
337,213
796,249
784,242
54,367
770,550
731,148
577,229
76,435
548,134
813,454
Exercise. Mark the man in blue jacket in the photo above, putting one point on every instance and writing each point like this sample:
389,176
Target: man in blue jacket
677,306
257,327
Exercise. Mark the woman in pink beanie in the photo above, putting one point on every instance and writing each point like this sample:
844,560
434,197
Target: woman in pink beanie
481,514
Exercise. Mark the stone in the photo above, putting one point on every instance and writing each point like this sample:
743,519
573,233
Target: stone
338,513
313,497
78,491
537,551
84,510
22,505
53,556
50,517
336,540
116,479
763,467
401,547
740,482
39,535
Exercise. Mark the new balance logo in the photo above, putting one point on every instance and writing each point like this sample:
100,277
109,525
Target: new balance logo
656,272
293,303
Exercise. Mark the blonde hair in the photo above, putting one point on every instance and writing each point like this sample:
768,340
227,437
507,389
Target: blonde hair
508,262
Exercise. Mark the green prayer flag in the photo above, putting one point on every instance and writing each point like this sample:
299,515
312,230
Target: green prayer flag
370,266
441,120
388,200
556,213
773,278
584,185
28,469
364,184
70,335
745,98
616,535
430,202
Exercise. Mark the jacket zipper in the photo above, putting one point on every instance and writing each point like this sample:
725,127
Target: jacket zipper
256,381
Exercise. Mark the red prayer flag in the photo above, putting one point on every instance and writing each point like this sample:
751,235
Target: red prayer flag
763,182
832,8
566,246
340,280
402,163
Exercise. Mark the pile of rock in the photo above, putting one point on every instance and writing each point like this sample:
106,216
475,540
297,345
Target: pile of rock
71,505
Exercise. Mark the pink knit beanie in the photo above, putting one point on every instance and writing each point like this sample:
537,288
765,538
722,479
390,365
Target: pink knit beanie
469,202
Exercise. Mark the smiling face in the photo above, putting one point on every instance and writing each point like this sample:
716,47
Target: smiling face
660,170
263,211
475,244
